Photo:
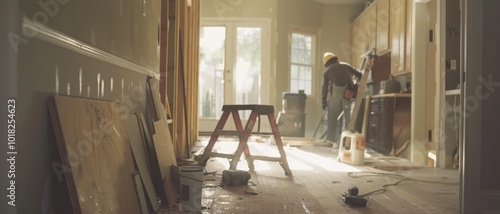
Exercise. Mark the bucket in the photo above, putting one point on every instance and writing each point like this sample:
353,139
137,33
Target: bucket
191,184
352,148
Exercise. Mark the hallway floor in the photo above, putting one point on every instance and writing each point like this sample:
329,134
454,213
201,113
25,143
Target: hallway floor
319,181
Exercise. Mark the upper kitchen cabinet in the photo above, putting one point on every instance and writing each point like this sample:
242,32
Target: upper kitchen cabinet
400,33
386,27
363,34
360,39
383,44
370,27
356,43
398,11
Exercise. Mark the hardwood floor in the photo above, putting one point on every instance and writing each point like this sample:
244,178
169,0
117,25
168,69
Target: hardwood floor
319,181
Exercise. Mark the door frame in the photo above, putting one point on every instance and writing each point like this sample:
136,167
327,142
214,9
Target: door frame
473,199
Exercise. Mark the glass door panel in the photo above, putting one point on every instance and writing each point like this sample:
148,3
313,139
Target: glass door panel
211,90
248,66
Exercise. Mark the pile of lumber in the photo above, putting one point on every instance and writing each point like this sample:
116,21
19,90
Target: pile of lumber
115,161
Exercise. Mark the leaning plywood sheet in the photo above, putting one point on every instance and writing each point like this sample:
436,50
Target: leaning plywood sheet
151,156
95,154
140,194
166,158
137,145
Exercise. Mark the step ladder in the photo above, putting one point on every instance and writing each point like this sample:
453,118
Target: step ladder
244,134
352,144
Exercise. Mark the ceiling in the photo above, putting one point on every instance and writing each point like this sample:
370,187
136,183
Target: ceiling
341,1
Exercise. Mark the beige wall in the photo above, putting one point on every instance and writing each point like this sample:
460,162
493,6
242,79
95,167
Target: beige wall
336,30
239,8
295,14
39,69
127,29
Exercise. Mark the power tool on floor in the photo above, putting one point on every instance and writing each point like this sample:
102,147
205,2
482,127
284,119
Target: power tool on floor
351,197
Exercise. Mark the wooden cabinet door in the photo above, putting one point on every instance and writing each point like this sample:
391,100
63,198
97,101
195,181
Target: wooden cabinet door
394,29
358,43
402,37
354,49
363,35
385,26
398,28
370,19
408,39
383,18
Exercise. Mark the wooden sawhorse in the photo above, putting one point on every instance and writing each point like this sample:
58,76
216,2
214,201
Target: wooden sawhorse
243,135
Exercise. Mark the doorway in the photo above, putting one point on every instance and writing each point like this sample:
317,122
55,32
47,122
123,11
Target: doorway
233,67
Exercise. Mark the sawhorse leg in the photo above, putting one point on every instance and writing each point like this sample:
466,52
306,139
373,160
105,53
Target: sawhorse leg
208,149
242,145
277,137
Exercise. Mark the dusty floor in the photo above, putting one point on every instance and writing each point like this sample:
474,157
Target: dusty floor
319,181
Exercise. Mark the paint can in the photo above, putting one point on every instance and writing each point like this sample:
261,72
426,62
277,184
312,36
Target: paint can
191,185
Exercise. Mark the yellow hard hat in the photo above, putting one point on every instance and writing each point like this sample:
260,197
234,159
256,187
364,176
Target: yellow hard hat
327,56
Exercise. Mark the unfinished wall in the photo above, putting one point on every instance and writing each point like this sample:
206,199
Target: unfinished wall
180,69
48,63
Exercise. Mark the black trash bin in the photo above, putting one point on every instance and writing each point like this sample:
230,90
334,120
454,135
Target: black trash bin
294,102
292,119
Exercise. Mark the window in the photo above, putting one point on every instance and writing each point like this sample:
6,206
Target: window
301,63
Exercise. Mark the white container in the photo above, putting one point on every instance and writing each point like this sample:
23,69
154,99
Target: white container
191,180
352,148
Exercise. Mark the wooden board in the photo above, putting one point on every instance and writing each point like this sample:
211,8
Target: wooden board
140,193
166,158
62,166
153,160
95,150
142,162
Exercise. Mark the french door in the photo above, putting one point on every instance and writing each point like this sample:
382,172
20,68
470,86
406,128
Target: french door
233,68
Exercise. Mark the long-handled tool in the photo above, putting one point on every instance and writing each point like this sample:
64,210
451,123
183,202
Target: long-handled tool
322,120
319,123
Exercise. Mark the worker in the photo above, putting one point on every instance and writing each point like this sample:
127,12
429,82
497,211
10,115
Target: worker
335,78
